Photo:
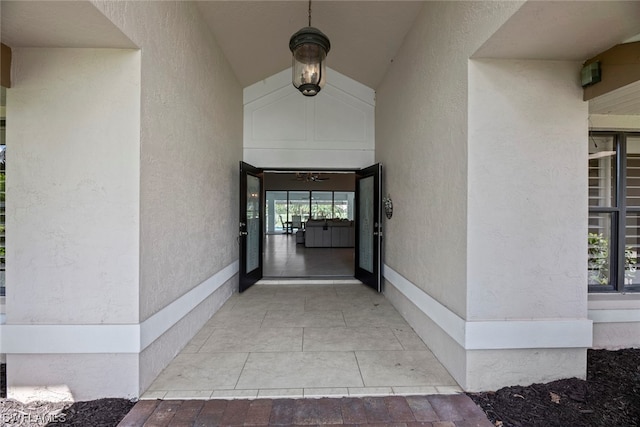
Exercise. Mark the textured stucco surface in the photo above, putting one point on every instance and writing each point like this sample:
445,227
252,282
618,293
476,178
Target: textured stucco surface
494,369
486,171
72,216
421,138
527,198
191,142
157,356
88,376
451,354
614,336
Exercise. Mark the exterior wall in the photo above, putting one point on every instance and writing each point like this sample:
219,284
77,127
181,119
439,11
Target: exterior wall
124,174
334,129
191,133
421,138
73,211
485,163
527,201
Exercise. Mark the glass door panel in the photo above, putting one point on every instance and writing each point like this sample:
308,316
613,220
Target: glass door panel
250,235
368,258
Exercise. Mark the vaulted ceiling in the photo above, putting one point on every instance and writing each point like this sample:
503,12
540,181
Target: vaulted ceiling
365,35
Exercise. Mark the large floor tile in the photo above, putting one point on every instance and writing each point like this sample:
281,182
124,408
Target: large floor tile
296,339
380,315
300,370
237,340
282,319
408,338
201,371
342,303
402,368
349,339
243,318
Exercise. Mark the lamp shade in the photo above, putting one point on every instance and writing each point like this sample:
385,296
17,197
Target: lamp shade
309,48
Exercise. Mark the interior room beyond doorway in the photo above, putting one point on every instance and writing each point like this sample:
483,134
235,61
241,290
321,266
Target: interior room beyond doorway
309,224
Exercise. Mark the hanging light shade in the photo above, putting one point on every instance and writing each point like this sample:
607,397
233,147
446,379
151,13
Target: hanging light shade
309,47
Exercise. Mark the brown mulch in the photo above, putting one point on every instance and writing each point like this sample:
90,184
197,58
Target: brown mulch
609,397
94,413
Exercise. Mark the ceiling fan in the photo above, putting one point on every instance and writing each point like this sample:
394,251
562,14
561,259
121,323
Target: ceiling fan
309,177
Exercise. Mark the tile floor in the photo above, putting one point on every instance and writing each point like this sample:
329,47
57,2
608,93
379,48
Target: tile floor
283,257
335,339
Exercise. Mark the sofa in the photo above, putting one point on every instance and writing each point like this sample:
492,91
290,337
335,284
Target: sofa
329,233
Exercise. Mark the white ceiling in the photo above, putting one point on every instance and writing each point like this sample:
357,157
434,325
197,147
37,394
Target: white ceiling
365,35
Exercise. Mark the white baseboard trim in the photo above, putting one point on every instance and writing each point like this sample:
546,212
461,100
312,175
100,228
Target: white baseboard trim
615,315
495,335
156,325
130,338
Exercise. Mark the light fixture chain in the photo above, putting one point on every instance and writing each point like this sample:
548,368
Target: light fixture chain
309,12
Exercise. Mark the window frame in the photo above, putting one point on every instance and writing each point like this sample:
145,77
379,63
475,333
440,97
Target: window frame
618,211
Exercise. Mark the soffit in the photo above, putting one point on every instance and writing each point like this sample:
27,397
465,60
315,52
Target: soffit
623,101
571,31
75,24
563,30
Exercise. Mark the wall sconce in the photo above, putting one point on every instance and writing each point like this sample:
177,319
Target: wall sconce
388,206
309,47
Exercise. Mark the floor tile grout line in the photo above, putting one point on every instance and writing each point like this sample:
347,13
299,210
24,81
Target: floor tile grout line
355,355
244,365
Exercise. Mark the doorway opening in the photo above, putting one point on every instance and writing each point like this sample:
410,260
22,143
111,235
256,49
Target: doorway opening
316,232
309,223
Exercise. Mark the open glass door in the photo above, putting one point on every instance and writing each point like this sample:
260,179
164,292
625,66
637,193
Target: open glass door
250,238
368,257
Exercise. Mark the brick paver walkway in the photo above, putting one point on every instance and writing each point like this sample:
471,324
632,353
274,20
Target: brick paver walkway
430,411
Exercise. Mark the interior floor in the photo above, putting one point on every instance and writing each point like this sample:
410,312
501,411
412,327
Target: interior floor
283,257
339,338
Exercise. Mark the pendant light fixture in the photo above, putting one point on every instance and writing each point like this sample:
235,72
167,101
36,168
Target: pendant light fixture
309,47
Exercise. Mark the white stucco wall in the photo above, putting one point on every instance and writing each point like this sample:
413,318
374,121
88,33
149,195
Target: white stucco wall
73,137
527,199
484,162
527,205
191,142
421,138
72,203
